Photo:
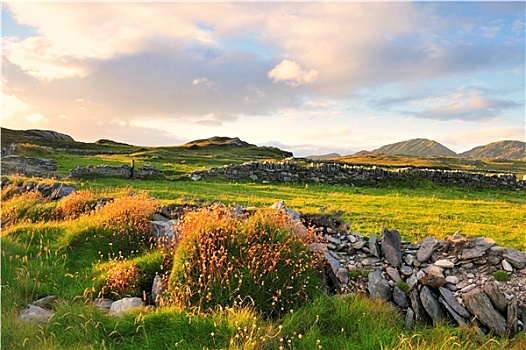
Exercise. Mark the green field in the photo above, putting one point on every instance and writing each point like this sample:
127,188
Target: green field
48,248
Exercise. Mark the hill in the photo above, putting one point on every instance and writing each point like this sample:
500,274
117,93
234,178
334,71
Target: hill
508,149
324,156
417,148
218,141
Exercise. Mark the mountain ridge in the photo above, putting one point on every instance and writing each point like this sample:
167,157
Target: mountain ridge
419,147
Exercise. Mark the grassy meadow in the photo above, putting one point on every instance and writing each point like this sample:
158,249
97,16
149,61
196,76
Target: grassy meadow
61,248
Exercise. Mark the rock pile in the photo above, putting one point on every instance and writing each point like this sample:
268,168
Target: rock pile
27,166
51,192
468,280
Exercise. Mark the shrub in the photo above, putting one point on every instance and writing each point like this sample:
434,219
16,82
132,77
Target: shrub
501,276
121,279
74,205
225,261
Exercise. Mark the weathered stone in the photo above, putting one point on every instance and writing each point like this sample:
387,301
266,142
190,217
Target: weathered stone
409,259
166,232
391,247
46,302
506,266
496,296
427,249
373,245
483,243
157,289
459,319
416,305
433,277
449,298
479,304
103,304
35,314
431,305
393,274
358,244
452,279
409,316
512,320
412,281
124,305
515,257
278,205
378,286
406,270
472,253
400,297
444,263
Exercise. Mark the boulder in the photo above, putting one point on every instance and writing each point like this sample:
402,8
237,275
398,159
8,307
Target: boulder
427,249
516,258
496,296
378,286
35,314
124,305
479,304
391,247
449,298
431,305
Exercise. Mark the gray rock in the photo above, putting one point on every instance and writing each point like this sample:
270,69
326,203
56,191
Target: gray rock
35,314
103,304
406,270
472,253
483,243
342,275
166,232
278,205
449,298
412,281
416,305
391,247
506,266
157,289
459,319
399,297
373,245
409,259
427,249
393,274
431,305
409,316
496,296
479,304
46,302
512,320
515,257
158,217
452,279
124,305
293,214
378,286
358,244
444,263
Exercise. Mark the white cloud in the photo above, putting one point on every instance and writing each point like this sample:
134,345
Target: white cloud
291,72
11,106
35,118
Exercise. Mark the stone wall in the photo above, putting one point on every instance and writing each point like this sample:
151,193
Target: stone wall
123,171
334,173
27,166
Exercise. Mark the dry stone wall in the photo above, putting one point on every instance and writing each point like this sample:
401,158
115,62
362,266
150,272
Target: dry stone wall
28,166
123,171
334,173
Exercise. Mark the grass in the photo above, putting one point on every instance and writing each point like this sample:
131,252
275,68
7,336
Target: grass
63,248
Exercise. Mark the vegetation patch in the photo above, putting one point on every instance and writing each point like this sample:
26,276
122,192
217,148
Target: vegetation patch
226,261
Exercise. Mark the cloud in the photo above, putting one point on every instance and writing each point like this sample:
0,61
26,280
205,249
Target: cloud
463,104
291,72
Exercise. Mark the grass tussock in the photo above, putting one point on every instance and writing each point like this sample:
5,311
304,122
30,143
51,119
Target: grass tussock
227,261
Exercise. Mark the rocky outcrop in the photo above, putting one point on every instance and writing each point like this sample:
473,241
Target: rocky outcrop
344,174
123,171
28,166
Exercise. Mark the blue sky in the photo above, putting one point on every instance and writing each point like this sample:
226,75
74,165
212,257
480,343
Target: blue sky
311,78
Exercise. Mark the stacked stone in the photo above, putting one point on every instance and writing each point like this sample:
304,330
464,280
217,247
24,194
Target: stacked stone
433,281
51,192
28,166
344,174
124,171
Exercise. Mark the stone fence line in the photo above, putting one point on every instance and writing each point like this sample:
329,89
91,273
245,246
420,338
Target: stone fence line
346,174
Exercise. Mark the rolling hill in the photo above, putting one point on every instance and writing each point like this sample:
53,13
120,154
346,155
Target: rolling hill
508,149
417,148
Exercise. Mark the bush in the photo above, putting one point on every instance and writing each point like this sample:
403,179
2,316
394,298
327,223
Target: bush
74,205
501,276
121,280
224,261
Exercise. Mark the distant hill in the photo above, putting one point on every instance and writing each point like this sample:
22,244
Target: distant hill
234,145
417,148
508,149
324,156
218,141
33,135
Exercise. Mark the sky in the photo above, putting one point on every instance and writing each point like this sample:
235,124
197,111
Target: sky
310,78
